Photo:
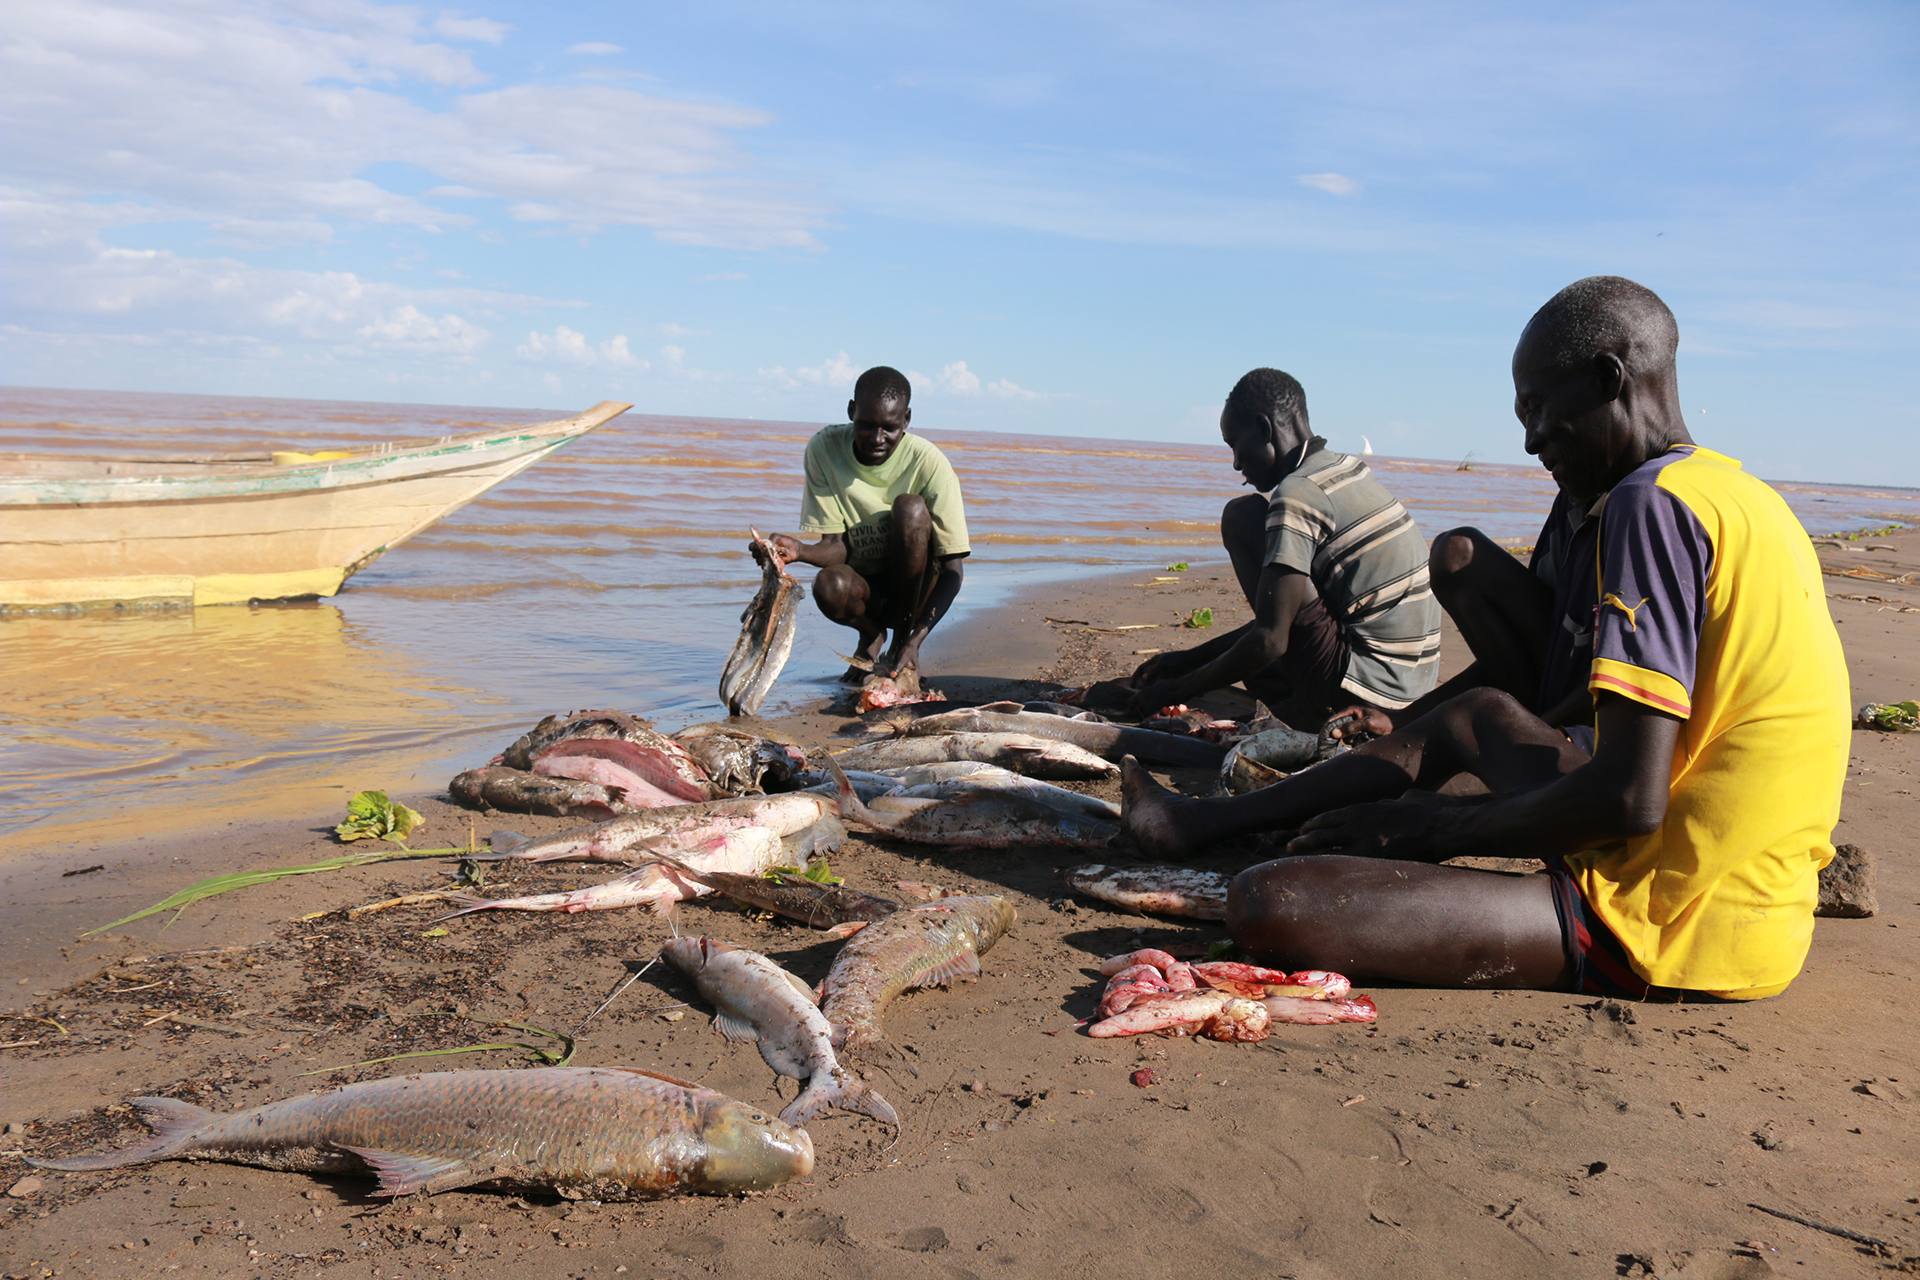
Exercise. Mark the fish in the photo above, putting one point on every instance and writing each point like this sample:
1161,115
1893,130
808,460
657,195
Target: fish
1020,752
759,1001
1167,891
979,816
655,762
766,635
557,728
602,1133
634,836
933,945
740,763
749,850
992,778
1109,741
823,906
868,784
1201,1011
517,791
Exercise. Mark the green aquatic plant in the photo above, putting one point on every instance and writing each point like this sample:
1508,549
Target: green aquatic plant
1889,717
1181,567
372,816
1199,618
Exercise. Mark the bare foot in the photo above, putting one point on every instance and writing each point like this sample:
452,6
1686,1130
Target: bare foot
1150,814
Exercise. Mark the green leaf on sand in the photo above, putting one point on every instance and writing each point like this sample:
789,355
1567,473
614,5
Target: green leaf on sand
1177,568
1199,618
441,932
372,816
1891,717
820,873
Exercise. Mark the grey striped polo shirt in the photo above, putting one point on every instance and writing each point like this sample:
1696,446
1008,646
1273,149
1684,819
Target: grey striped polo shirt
1335,523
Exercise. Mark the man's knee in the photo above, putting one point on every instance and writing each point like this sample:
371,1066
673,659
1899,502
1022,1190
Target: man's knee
1244,520
911,520
839,591
1452,556
1279,911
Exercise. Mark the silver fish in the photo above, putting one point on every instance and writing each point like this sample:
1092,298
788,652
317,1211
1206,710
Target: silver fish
759,1001
992,778
982,817
766,636
748,850
608,1133
928,946
1020,752
636,835
1166,891
1109,741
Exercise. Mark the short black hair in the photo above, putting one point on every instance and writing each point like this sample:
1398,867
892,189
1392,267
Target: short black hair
882,383
1605,315
1274,397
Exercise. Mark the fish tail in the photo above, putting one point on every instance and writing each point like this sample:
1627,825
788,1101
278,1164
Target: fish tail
850,806
173,1123
842,1089
469,905
505,842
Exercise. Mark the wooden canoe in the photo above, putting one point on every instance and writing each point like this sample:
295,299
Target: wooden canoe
229,528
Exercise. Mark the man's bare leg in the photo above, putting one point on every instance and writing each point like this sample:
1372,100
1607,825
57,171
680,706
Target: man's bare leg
1483,732
909,571
1243,532
1402,921
1504,611
843,596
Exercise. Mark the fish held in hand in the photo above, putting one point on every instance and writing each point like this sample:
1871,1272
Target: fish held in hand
933,945
1155,890
1020,752
766,635
604,1133
759,1001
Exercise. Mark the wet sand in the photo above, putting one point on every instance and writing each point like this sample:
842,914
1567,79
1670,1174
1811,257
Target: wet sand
1482,1134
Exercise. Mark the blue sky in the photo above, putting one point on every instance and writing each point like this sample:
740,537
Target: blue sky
1065,218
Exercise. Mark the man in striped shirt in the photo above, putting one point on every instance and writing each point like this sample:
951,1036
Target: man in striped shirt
1332,565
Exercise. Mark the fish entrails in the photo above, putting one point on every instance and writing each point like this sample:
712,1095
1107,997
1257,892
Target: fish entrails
606,1133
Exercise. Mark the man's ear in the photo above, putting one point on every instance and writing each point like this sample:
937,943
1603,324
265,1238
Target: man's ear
906,416
1609,375
850,410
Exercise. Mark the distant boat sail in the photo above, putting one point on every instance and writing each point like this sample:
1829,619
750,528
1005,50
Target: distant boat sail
1366,447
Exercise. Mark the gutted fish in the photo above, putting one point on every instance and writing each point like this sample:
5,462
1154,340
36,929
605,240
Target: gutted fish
1020,752
766,635
748,850
558,728
1165,891
639,835
605,1133
517,791
759,1001
739,763
933,945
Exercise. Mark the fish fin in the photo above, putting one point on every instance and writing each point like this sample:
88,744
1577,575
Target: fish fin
850,806
507,841
842,1089
964,967
802,987
655,1075
847,929
172,1122
1006,707
738,1030
470,905
1024,748
403,1173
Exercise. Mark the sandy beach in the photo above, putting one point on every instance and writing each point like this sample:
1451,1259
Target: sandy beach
1465,1134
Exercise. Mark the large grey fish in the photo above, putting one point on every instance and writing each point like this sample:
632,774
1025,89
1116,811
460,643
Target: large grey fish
759,1001
982,778
1109,741
740,763
1165,891
605,1133
823,906
749,850
766,635
934,945
517,791
1020,752
558,728
636,835
968,813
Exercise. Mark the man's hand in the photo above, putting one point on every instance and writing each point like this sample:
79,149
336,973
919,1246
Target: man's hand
1356,720
785,544
1389,829
1162,666
1148,699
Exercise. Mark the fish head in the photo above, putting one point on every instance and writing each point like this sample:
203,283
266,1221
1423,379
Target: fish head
689,955
749,1150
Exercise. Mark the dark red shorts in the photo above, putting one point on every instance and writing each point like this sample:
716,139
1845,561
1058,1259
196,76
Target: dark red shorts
1315,661
1599,961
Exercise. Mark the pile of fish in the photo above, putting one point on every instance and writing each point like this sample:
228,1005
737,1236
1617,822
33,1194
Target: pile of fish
766,635
1150,991
596,764
602,1133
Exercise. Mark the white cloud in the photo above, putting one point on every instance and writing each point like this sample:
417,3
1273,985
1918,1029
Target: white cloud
836,371
1336,184
1010,390
475,30
270,116
595,48
957,378
567,346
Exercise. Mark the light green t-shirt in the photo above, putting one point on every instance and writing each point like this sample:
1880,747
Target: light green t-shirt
845,497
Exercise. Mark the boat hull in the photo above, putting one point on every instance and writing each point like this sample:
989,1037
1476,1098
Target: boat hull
151,533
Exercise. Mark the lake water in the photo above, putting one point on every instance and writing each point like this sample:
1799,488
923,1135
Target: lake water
610,574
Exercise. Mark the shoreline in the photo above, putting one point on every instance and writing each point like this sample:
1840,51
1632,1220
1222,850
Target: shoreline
1505,1134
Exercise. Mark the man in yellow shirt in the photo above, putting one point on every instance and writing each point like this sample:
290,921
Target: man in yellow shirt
1684,847
892,526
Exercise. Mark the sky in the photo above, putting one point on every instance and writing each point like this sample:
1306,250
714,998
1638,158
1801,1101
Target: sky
1065,218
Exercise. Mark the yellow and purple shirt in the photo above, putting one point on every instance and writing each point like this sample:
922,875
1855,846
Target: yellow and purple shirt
1707,604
